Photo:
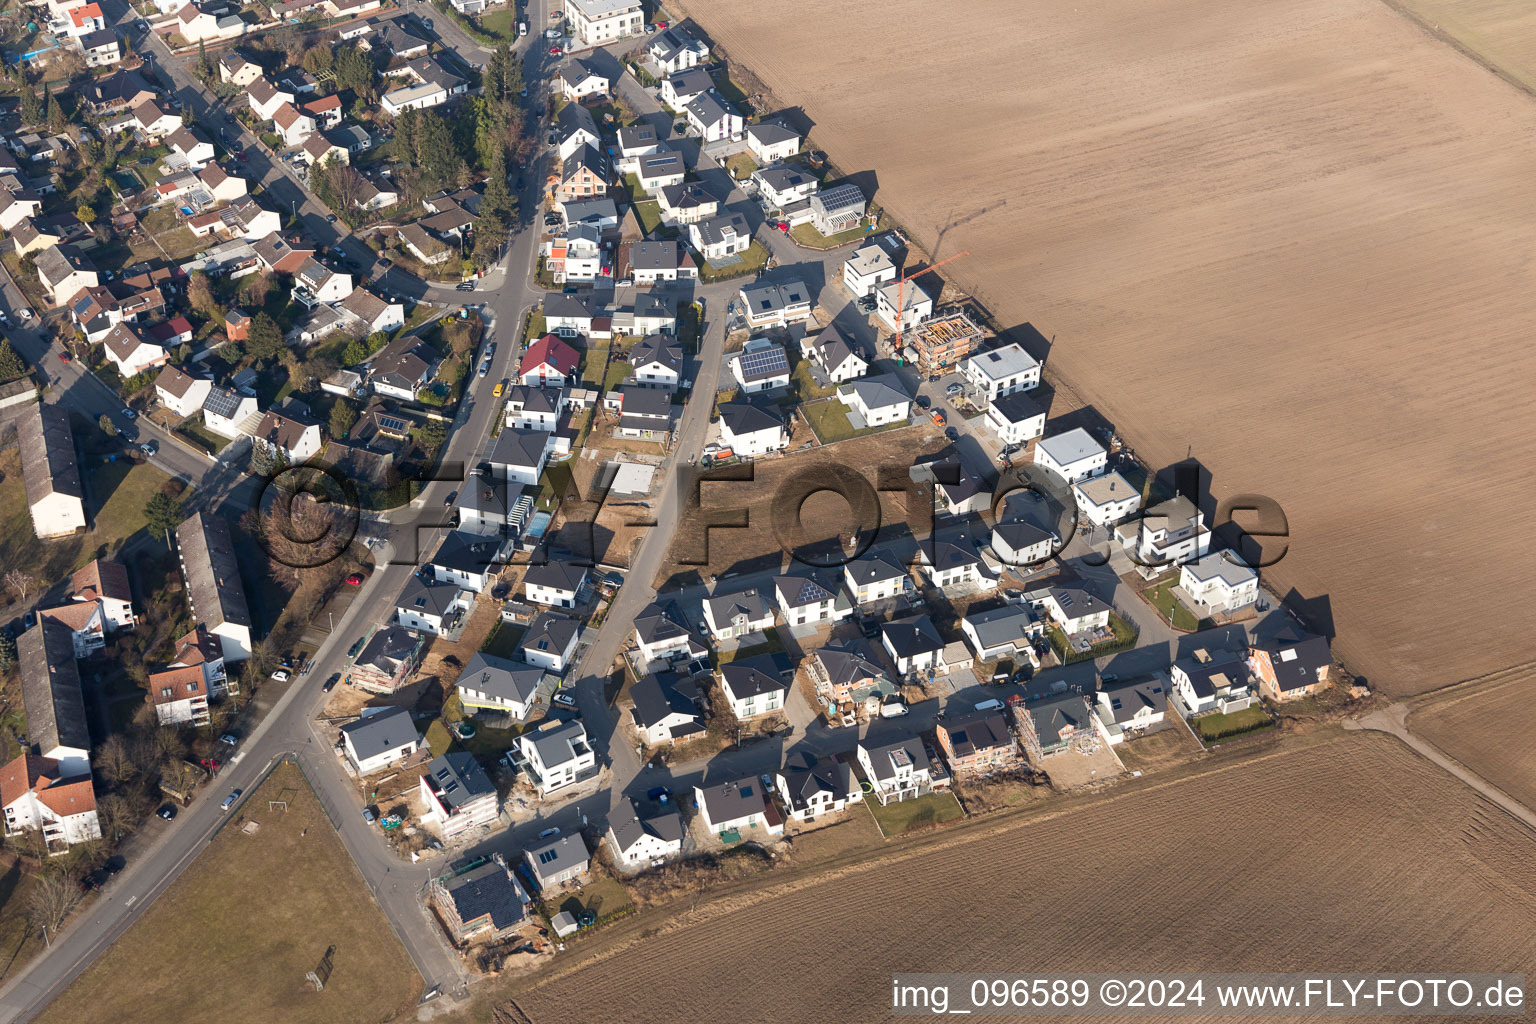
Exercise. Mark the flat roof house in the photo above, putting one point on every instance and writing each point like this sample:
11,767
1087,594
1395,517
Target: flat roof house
558,755
776,305
379,738
599,22
1169,533
1072,456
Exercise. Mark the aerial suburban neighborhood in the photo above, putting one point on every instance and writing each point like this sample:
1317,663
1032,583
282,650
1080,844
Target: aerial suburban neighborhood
493,454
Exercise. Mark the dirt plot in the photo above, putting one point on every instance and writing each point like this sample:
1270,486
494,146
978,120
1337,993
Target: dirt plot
1151,880
1487,727
749,498
1249,228
1501,33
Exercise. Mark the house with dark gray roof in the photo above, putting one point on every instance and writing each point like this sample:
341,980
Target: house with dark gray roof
737,805
515,688
753,687
875,576
519,456
811,598
738,613
657,362
469,560
550,641
644,413
458,795
1291,665
977,744
875,401
838,358
898,768
379,739
1055,721
1005,632
848,671
812,786
557,860
913,643
52,698
55,496
662,713
554,584
637,841
1127,709
662,635
750,429
429,605
215,593
485,902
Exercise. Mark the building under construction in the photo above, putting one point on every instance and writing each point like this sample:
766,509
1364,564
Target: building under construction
938,345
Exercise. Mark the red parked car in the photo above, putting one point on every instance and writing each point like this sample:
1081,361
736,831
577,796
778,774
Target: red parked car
555,51
355,580
65,357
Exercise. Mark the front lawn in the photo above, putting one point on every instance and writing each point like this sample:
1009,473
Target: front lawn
605,897
123,488
807,235
199,434
648,211
1172,610
502,23
751,262
283,895
503,640
914,815
829,418
741,165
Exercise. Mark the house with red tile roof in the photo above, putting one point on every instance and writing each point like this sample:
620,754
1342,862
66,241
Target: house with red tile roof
549,362
35,794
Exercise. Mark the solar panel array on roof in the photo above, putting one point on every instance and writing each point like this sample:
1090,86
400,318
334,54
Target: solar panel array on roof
222,402
764,362
812,591
394,423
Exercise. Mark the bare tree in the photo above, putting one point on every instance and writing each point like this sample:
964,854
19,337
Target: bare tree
116,762
19,582
115,814
50,900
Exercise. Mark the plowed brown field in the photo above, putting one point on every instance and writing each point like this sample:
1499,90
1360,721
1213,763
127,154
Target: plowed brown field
1353,855
1488,728
1295,237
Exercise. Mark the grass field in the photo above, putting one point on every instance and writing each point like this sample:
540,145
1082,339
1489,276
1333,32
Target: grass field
255,912
751,260
1425,871
1275,193
806,234
1221,726
501,23
1161,597
911,815
829,418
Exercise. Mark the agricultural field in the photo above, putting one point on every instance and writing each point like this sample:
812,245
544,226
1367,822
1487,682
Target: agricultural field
297,895
1488,729
1234,223
1429,872
1501,33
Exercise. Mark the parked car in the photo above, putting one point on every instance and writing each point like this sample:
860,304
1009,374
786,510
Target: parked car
25,312
356,648
129,413
894,709
368,815
938,417
355,579
922,401
230,739
168,812
452,497
555,51
564,699
550,833
65,357
955,389
330,684
229,801
280,676
952,434
485,369
150,447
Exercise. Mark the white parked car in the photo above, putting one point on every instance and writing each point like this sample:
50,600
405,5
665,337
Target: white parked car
281,675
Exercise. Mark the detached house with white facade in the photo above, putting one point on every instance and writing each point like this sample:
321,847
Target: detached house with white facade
1074,455
752,687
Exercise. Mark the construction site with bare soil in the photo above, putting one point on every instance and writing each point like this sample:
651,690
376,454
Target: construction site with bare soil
1285,239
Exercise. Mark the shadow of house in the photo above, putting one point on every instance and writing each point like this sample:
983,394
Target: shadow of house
1029,336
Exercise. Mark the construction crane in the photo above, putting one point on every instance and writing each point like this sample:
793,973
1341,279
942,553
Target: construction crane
901,306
